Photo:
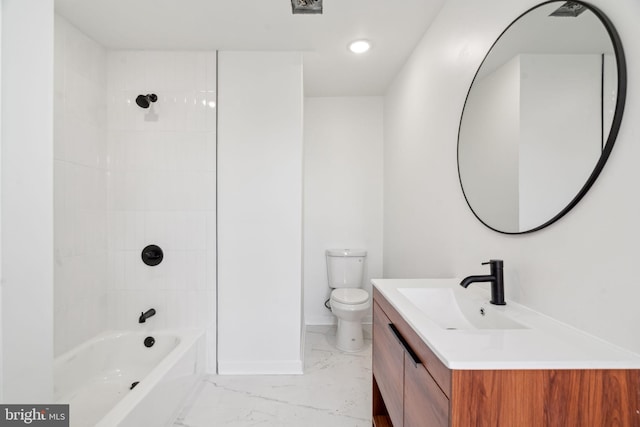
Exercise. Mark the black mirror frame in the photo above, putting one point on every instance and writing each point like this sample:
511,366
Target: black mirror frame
621,65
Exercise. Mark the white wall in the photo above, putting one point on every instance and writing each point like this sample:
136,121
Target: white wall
582,269
260,212
27,201
80,187
342,191
162,190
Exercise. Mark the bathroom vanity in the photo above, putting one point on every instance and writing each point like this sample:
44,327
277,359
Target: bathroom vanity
444,356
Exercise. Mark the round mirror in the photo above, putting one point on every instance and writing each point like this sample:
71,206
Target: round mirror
541,116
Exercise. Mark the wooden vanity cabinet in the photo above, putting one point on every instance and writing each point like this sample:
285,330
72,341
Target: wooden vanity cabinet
388,367
413,388
405,393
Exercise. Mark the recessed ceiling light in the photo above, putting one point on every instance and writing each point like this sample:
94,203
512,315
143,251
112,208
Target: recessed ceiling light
359,46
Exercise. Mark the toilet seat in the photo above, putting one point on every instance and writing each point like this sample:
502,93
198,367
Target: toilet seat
350,296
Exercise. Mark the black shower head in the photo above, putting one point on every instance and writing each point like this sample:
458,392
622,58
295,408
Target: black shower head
144,101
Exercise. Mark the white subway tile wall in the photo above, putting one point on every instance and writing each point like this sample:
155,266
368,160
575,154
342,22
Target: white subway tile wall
162,189
80,187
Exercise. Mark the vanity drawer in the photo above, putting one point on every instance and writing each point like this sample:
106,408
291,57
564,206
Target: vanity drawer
425,405
440,373
409,396
388,366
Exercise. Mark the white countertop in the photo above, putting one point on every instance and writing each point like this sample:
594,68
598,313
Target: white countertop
544,343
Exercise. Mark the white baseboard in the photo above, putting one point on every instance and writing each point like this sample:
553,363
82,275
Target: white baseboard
329,319
323,320
279,367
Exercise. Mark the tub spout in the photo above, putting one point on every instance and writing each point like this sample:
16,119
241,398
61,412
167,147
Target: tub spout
144,316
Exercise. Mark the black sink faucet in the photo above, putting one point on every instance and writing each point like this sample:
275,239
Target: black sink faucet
496,278
144,316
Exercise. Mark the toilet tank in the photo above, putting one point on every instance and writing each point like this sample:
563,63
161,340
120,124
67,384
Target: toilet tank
345,267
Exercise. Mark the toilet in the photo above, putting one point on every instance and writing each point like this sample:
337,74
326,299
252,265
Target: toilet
349,303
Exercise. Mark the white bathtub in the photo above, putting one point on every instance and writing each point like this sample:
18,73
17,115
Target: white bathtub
95,378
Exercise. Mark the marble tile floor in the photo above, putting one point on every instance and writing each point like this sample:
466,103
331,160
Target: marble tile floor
335,391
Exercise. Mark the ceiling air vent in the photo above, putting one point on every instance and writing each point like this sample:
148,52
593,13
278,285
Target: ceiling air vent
569,9
306,6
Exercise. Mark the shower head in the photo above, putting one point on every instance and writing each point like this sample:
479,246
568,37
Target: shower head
144,101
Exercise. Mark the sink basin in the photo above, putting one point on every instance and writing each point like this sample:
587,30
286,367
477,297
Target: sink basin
453,309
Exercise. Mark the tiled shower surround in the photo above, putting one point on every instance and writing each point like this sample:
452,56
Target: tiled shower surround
127,177
162,188
80,187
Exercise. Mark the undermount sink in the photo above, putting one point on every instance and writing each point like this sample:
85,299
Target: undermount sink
452,309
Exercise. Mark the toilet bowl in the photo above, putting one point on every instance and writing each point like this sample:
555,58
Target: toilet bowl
348,302
350,306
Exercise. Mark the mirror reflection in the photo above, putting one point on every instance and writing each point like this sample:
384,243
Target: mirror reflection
536,126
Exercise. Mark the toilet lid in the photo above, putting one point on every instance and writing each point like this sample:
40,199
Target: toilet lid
350,296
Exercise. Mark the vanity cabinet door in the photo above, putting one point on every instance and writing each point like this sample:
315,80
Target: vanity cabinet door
425,405
388,366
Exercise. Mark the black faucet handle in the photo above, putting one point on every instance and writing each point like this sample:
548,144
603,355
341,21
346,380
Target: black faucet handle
497,262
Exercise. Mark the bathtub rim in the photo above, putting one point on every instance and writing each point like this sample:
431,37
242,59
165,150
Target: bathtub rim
187,339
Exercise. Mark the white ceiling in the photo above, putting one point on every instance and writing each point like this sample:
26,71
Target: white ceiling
394,27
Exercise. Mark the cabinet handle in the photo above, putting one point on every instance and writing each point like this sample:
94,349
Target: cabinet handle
404,344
